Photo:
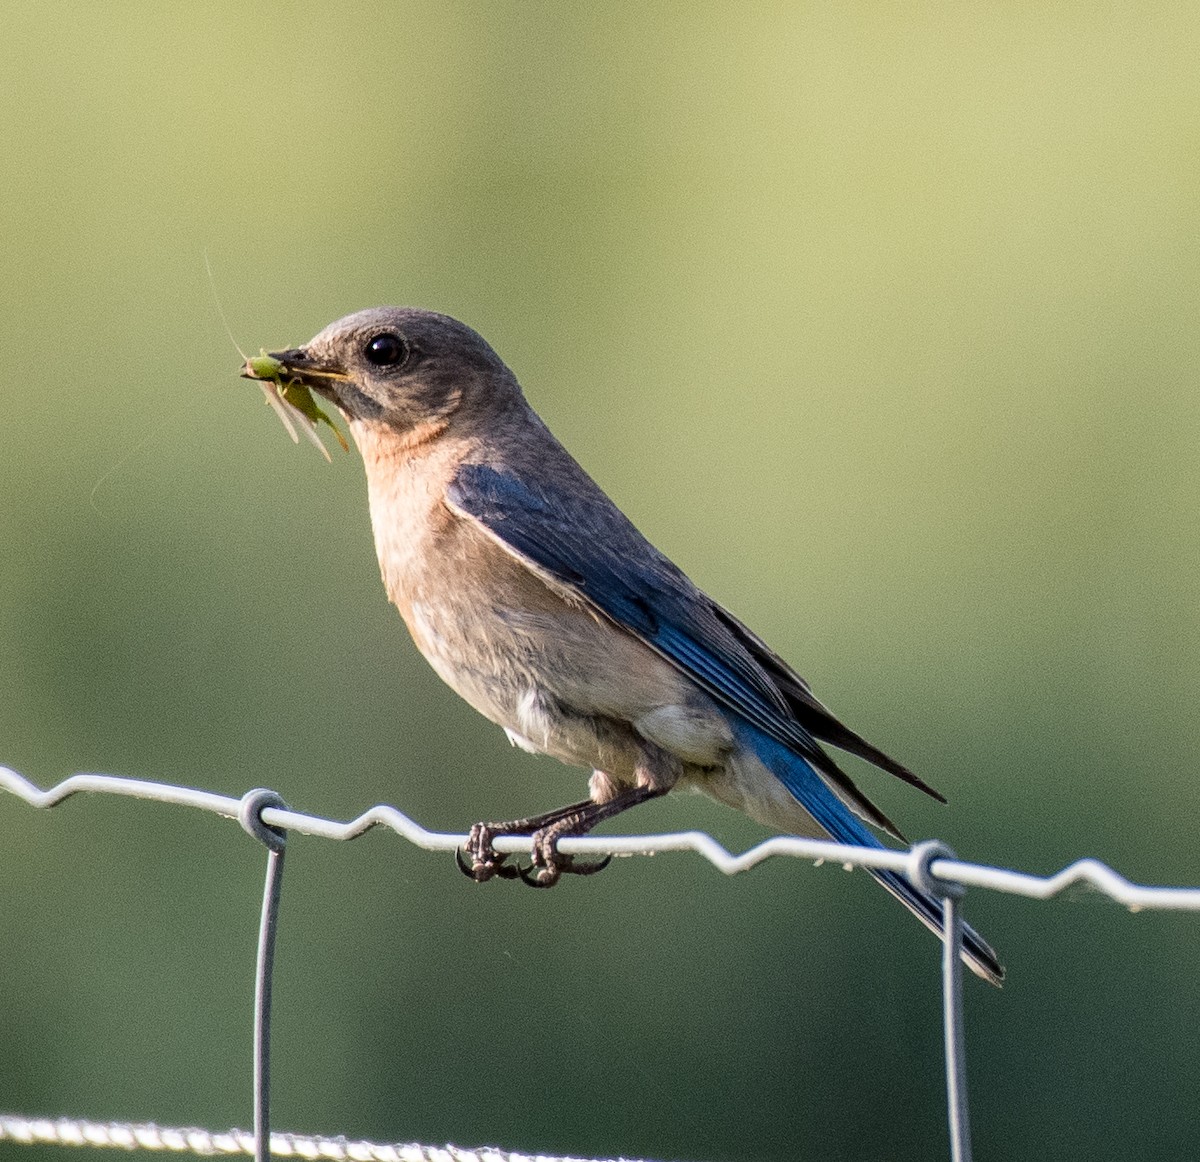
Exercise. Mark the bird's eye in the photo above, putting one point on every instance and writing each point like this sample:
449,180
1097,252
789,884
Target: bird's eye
386,350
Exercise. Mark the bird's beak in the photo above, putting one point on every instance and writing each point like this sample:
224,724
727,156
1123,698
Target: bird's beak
296,365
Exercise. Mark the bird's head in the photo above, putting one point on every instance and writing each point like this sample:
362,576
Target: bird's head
397,367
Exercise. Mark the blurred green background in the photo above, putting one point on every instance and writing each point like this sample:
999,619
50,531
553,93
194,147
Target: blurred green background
880,319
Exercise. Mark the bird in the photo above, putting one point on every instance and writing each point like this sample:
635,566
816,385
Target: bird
536,599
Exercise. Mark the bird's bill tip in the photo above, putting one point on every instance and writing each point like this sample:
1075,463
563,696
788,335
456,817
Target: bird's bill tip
292,364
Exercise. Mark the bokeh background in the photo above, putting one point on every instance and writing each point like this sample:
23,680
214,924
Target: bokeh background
880,319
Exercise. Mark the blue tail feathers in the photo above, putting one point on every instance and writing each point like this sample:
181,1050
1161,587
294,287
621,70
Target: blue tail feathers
816,797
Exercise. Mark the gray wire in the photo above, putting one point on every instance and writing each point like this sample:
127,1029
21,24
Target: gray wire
250,816
955,1031
921,875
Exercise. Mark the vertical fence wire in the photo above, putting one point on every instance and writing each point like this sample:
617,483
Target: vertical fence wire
922,877
250,817
955,1031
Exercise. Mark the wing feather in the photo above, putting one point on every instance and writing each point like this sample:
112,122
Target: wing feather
584,544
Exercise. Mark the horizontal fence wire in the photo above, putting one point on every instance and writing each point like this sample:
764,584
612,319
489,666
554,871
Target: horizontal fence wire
261,813
148,1136
1091,872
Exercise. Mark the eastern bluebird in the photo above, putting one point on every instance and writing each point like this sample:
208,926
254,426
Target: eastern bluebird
535,598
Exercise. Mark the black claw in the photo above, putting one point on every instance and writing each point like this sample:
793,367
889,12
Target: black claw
589,869
533,876
483,870
548,875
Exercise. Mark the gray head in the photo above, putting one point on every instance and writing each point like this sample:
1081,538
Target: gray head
403,367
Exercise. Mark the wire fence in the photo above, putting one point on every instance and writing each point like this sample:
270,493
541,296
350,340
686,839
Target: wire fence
262,813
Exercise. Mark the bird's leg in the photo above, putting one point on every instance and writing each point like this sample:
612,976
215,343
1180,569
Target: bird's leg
548,864
486,862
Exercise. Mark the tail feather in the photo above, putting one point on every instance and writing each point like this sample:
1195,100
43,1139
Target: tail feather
812,792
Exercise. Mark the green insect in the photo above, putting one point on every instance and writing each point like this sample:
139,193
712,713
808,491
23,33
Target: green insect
291,396
265,366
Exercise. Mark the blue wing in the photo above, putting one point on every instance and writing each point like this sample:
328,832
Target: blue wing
581,540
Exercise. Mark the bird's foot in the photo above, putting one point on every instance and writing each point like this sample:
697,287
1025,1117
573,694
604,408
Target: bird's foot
550,865
486,861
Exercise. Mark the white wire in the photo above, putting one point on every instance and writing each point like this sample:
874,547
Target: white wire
148,1136
1090,872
